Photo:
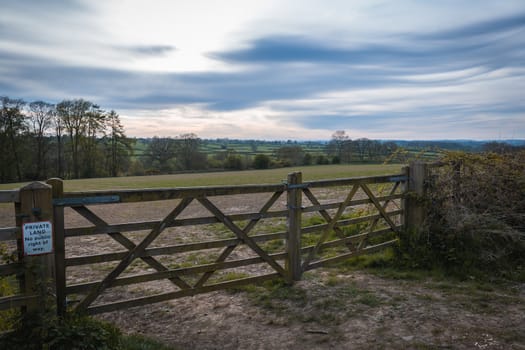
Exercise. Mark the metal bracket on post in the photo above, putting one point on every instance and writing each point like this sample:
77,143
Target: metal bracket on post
77,201
37,212
297,186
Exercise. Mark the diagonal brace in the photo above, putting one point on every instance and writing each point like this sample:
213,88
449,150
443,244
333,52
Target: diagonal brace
330,226
129,245
132,254
374,223
323,212
228,250
379,207
240,234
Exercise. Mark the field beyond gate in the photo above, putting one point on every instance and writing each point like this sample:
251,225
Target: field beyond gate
118,249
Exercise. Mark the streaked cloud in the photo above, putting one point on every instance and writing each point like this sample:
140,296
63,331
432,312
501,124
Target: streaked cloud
274,69
152,50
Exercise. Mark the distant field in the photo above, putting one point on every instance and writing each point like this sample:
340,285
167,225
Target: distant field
245,148
225,178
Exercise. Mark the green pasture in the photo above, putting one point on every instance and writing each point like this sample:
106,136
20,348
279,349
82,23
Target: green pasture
212,147
269,176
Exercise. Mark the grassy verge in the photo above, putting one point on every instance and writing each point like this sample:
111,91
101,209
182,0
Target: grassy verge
139,342
310,173
333,301
73,332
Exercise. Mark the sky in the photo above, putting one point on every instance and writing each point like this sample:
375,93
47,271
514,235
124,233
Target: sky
276,69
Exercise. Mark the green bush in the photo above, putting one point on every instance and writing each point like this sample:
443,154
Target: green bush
44,330
261,161
72,332
8,286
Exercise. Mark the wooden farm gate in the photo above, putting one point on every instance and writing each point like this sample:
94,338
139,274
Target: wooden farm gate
126,248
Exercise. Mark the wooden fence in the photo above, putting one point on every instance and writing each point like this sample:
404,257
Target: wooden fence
127,248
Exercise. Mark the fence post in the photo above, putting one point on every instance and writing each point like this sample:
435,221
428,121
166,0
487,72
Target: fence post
456,182
36,206
60,254
404,189
293,240
415,209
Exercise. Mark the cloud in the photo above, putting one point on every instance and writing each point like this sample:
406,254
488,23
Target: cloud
411,51
151,50
284,49
62,7
502,25
295,49
34,21
309,80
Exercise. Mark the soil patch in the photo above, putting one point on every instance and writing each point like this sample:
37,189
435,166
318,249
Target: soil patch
330,310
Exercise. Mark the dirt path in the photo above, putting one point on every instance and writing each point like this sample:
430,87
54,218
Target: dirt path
330,310
333,308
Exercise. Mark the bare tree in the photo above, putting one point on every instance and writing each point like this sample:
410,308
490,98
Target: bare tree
41,115
59,133
362,146
290,155
95,127
160,153
82,120
188,154
12,127
340,146
117,144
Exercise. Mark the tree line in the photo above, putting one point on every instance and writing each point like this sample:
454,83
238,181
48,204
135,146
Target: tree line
70,139
185,152
342,149
77,139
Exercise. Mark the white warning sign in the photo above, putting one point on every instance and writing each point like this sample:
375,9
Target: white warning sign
38,238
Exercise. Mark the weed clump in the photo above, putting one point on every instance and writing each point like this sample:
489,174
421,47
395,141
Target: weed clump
73,332
47,331
475,223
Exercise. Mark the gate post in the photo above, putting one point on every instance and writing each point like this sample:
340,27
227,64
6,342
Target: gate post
293,239
60,254
415,209
36,206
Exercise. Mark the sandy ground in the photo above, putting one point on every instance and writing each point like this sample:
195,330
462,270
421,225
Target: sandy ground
379,313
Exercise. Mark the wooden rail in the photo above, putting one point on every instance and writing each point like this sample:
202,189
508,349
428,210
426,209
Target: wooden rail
9,233
289,263
10,196
14,269
294,230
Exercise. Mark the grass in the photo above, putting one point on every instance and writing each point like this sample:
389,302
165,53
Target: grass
46,331
310,173
481,296
315,303
138,342
228,276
